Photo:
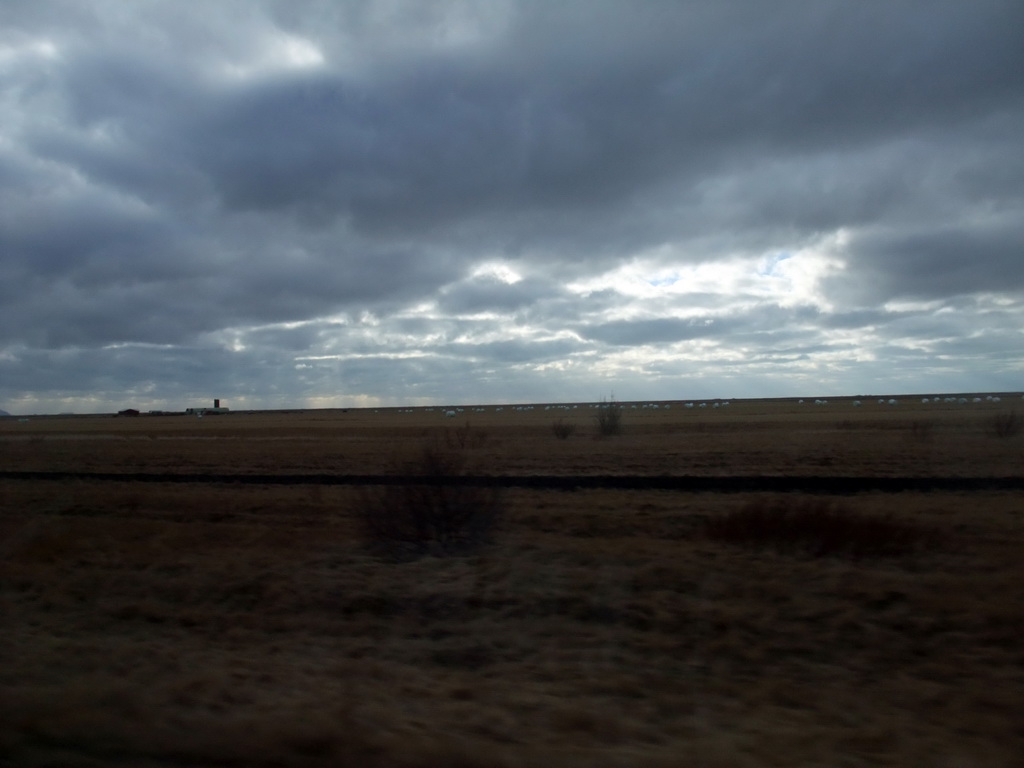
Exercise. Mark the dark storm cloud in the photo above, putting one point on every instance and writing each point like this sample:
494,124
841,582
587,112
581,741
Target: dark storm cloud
546,126
942,260
256,181
491,294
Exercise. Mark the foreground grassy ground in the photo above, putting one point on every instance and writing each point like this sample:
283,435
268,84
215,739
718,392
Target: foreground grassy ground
213,624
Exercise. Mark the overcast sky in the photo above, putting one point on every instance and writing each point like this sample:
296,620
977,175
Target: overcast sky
330,203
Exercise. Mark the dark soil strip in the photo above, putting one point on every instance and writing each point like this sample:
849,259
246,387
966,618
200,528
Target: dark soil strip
692,484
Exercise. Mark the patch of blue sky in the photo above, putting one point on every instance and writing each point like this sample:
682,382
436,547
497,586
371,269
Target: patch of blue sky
768,265
664,279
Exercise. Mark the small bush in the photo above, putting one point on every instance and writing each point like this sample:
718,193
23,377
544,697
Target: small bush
609,418
562,429
817,527
464,438
431,509
1006,424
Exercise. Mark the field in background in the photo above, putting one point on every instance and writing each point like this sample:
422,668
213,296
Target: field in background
234,625
758,437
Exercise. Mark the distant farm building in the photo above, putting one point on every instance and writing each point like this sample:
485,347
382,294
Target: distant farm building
216,410
128,412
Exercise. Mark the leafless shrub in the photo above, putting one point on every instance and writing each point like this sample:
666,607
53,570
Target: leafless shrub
609,418
562,429
1007,424
817,527
464,438
432,509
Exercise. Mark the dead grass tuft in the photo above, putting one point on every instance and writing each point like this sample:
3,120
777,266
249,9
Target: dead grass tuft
819,527
562,429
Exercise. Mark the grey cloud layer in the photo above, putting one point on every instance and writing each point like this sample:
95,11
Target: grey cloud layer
169,179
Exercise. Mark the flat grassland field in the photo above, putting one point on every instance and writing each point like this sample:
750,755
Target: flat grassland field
173,591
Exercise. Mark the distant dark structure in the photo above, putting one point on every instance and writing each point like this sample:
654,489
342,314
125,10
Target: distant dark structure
128,412
216,410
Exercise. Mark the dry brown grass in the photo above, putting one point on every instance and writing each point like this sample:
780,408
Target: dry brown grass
773,438
244,625
819,527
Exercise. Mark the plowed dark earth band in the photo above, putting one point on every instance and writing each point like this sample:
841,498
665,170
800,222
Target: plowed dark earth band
684,483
